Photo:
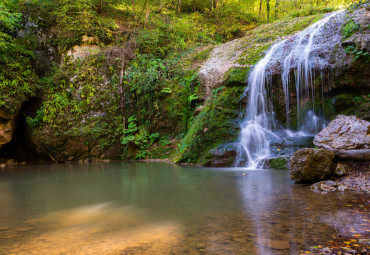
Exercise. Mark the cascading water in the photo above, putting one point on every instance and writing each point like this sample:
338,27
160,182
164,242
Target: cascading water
302,55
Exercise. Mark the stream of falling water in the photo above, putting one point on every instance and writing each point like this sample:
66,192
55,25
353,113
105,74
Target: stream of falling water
302,55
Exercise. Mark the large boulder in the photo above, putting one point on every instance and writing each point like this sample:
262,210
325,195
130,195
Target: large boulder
347,136
308,165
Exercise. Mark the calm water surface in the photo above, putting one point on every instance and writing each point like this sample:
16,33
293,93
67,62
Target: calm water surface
157,208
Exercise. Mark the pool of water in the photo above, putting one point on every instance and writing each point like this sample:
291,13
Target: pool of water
158,208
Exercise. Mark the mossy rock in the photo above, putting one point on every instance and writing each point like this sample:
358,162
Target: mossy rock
236,76
214,125
281,163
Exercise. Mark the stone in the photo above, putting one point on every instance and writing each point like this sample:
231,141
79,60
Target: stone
11,162
222,156
308,165
7,127
279,245
239,240
23,229
340,170
81,52
344,133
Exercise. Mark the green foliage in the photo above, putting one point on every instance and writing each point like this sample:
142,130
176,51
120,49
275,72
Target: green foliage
214,125
138,137
278,163
17,76
8,22
349,28
312,10
128,133
362,56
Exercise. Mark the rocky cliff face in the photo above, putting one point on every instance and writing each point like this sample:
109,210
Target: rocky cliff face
79,115
7,128
341,85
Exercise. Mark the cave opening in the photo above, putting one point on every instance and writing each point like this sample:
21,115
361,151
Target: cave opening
21,147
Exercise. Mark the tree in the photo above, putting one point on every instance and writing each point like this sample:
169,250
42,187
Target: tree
178,7
276,8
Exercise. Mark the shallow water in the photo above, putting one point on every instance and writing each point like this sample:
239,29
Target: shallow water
157,208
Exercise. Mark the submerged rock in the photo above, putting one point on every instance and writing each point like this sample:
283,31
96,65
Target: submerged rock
309,165
347,136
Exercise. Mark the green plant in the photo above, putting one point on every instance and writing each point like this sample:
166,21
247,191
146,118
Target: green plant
128,133
349,28
359,55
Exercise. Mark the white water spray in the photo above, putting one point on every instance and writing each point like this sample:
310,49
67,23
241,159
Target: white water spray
302,55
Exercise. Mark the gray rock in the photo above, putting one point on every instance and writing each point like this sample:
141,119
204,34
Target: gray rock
309,165
345,133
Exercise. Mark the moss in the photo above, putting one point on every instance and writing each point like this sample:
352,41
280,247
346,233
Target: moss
258,41
77,103
279,163
349,28
217,122
350,104
214,125
236,76
254,54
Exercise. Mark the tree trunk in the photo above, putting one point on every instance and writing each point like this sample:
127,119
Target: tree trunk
133,8
276,8
160,6
194,5
259,12
210,7
179,7
268,9
122,88
146,14
217,2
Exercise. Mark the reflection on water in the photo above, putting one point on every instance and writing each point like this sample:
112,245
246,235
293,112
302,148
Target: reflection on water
152,208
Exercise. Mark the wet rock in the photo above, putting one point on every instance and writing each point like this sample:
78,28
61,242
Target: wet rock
347,136
6,235
279,245
288,145
340,169
220,157
309,165
23,229
239,240
327,186
327,249
200,246
364,241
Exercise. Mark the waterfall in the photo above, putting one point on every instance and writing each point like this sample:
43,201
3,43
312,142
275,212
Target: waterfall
303,55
